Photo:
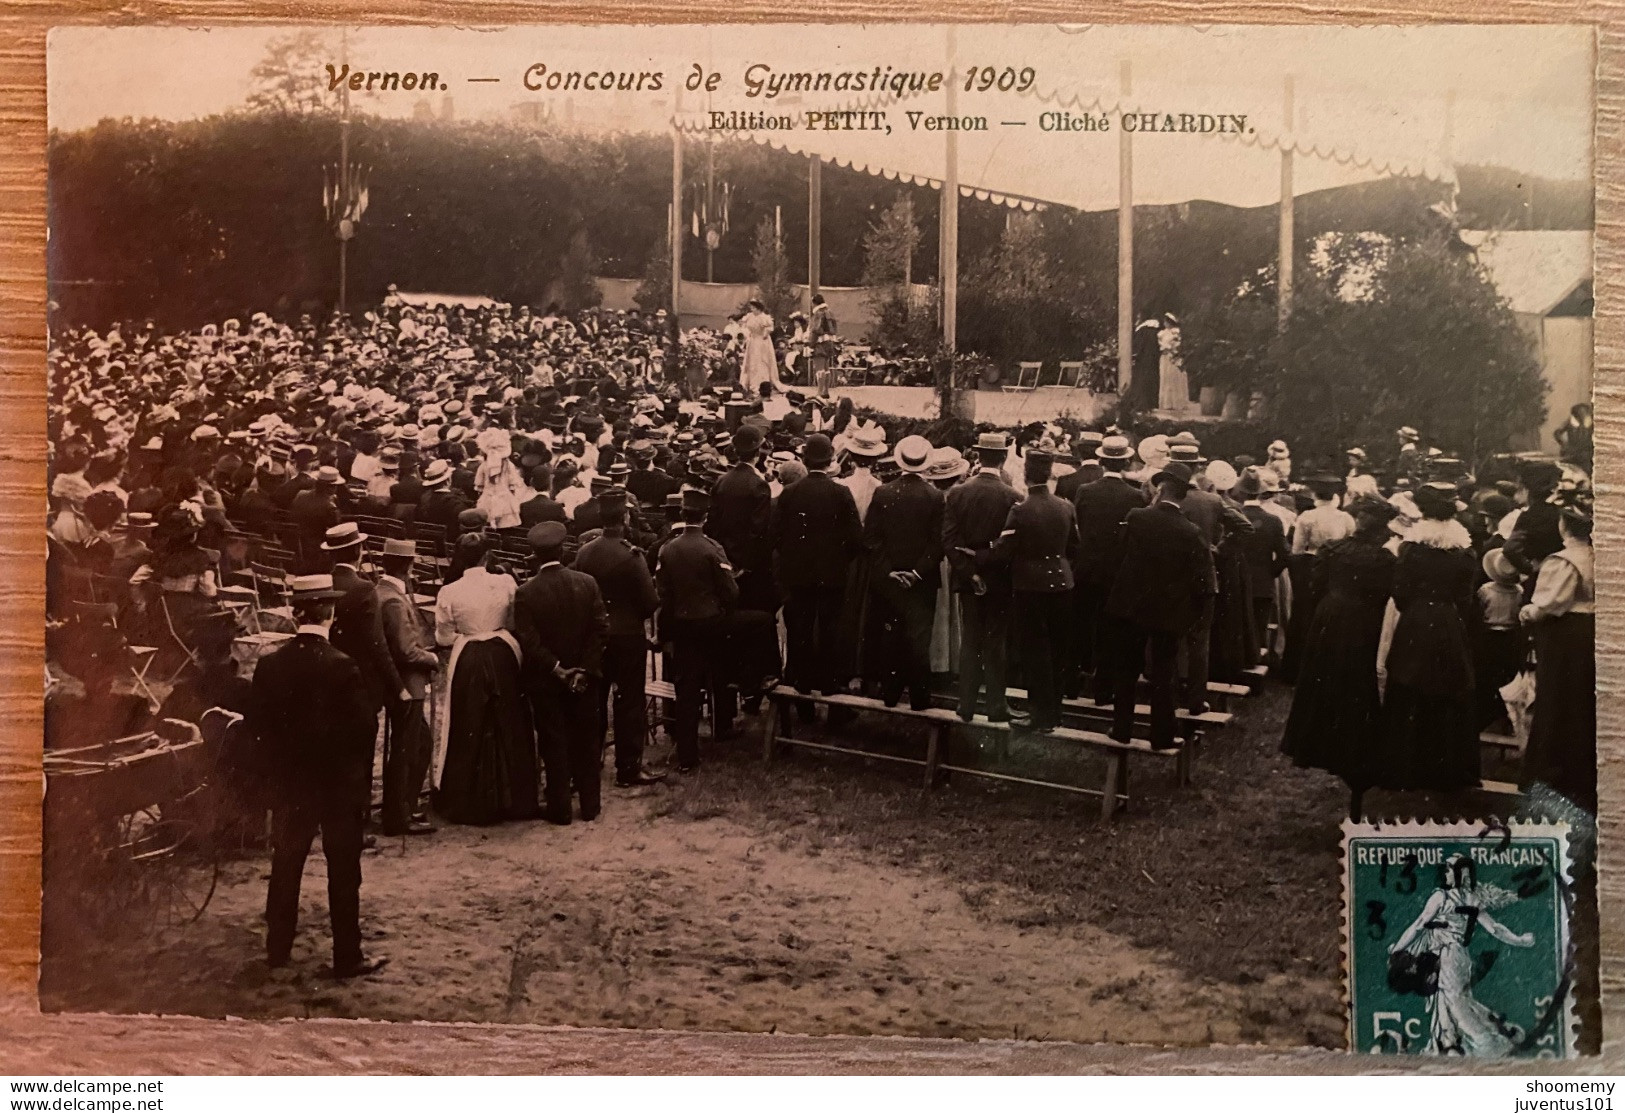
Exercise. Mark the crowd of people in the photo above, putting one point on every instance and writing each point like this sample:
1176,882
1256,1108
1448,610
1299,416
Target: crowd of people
482,525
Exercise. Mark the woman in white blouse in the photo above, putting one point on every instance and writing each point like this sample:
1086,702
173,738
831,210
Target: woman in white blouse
485,768
1562,749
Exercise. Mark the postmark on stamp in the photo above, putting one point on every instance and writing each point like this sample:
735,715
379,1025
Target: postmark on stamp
1456,939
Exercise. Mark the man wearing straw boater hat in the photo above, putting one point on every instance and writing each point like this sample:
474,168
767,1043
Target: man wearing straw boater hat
1102,506
903,533
316,726
974,514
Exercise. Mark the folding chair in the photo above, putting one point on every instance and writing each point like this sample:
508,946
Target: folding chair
1023,369
137,659
191,658
1071,374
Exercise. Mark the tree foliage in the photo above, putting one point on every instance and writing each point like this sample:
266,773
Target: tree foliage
772,273
1013,304
654,292
289,77
889,245
1433,344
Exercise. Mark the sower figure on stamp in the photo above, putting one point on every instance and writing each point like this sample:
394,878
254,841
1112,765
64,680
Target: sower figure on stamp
697,593
973,517
1162,589
316,721
411,745
629,597
562,627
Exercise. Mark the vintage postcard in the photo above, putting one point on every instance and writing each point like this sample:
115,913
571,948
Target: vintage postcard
978,532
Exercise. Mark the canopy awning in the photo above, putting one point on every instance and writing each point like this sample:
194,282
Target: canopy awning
1366,103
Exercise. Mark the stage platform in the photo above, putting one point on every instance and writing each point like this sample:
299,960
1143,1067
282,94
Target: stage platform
994,407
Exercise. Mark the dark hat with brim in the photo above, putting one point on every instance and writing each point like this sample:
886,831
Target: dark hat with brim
1176,472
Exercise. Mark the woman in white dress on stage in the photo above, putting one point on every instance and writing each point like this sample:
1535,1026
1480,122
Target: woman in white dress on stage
761,363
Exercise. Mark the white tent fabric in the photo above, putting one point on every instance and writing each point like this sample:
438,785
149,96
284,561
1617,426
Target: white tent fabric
1368,103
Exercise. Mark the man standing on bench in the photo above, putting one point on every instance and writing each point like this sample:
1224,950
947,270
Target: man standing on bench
973,516
1041,538
1160,592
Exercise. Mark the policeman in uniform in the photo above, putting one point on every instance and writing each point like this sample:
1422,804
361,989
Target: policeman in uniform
630,599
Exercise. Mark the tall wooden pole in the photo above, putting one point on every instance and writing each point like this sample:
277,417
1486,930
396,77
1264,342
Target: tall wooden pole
710,207
1283,281
1125,242
676,229
815,224
344,179
949,262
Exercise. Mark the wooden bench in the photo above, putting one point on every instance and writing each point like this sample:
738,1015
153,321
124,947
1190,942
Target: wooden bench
941,722
1213,720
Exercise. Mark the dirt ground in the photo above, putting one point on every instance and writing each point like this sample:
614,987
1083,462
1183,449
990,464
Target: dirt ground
821,895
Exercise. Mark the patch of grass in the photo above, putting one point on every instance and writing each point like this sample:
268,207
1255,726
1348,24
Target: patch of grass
1235,878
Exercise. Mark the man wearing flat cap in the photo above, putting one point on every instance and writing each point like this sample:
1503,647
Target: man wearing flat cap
563,627
311,713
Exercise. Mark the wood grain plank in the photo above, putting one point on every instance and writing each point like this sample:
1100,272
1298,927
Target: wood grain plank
122,1044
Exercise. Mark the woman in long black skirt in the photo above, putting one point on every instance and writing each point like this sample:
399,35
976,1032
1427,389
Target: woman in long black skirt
1336,707
1562,749
485,767
1430,734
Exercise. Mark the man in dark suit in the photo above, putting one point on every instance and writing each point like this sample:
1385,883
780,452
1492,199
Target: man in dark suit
974,514
439,505
816,535
410,748
358,623
1103,506
314,512
698,592
1217,519
629,597
903,533
562,627
1040,539
741,513
649,483
315,724
1267,553
542,507
1162,588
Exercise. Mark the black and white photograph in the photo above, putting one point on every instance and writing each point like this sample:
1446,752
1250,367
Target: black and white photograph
905,530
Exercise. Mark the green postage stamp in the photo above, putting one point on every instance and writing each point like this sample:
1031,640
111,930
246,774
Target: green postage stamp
1456,939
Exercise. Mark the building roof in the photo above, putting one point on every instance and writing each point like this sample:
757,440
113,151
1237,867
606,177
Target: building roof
1534,271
